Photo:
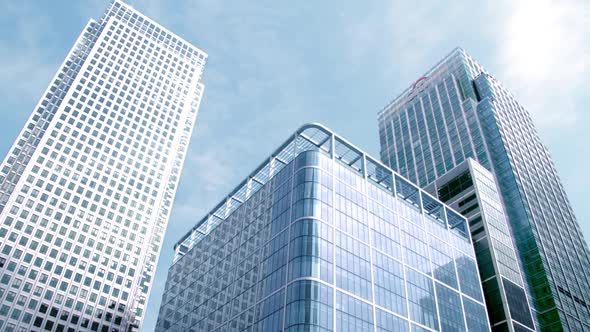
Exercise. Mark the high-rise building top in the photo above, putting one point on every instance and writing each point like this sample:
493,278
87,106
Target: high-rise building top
87,188
431,127
322,237
458,111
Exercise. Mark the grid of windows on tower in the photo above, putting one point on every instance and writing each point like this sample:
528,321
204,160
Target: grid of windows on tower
87,188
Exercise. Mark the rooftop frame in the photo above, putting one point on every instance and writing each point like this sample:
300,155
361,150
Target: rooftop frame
316,137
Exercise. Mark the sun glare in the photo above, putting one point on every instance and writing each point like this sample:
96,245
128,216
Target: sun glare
540,35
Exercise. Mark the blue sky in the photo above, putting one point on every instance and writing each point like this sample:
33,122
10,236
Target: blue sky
274,65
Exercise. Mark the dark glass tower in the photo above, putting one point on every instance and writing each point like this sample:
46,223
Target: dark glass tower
458,110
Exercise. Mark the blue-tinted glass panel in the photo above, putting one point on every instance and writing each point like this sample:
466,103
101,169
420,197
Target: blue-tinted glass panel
311,250
450,310
353,270
421,299
309,307
468,275
475,314
387,322
389,283
353,314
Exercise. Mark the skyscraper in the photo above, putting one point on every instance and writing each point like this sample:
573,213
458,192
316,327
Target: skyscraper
457,110
471,190
322,237
86,189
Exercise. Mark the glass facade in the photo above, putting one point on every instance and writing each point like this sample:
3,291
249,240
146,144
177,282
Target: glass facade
457,111
471,190
321,237
87,188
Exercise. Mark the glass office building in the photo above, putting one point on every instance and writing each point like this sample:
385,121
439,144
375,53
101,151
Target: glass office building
86,189
456,111
471,190
322,237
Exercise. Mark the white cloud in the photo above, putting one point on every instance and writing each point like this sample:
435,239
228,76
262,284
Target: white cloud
544,52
